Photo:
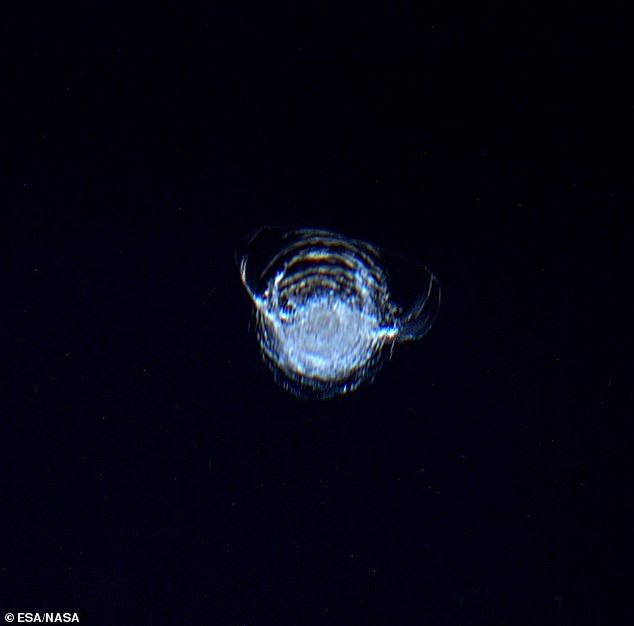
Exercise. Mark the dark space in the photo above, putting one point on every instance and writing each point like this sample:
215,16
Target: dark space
152,470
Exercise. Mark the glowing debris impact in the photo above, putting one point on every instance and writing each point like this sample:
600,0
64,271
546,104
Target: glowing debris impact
323,307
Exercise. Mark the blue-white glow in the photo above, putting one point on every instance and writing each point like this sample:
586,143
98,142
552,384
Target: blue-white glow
324,312
325,337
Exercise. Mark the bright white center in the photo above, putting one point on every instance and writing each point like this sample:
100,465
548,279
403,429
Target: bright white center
326,338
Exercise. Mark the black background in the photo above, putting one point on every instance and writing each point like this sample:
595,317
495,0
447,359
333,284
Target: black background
153,473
